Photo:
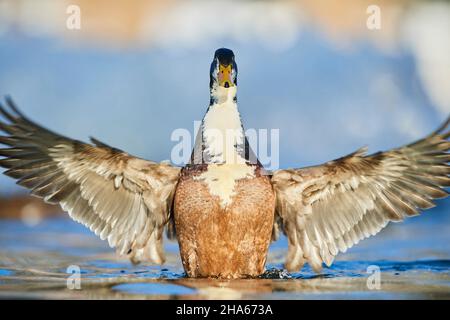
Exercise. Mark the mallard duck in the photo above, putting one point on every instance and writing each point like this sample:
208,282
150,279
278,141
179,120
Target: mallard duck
223,207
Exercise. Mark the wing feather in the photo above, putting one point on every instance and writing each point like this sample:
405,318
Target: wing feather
329,208
121,198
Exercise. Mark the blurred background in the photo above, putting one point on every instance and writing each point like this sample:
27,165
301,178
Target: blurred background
137,70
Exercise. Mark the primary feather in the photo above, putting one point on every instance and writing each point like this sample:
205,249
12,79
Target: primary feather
121,198
328,208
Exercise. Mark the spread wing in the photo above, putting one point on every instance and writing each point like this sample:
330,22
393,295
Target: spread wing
327,209
121,198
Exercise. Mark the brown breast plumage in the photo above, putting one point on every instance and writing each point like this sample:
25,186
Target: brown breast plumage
220,237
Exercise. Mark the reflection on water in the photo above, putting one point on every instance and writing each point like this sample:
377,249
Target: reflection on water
143,288
34,262
4,272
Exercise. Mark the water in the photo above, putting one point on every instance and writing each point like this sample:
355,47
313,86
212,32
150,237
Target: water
413,257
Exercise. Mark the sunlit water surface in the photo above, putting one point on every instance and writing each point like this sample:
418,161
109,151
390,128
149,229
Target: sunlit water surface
35,262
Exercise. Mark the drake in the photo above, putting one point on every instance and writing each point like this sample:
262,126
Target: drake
223,207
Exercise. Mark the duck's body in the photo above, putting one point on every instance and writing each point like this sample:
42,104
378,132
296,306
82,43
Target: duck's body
223,240
223,204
